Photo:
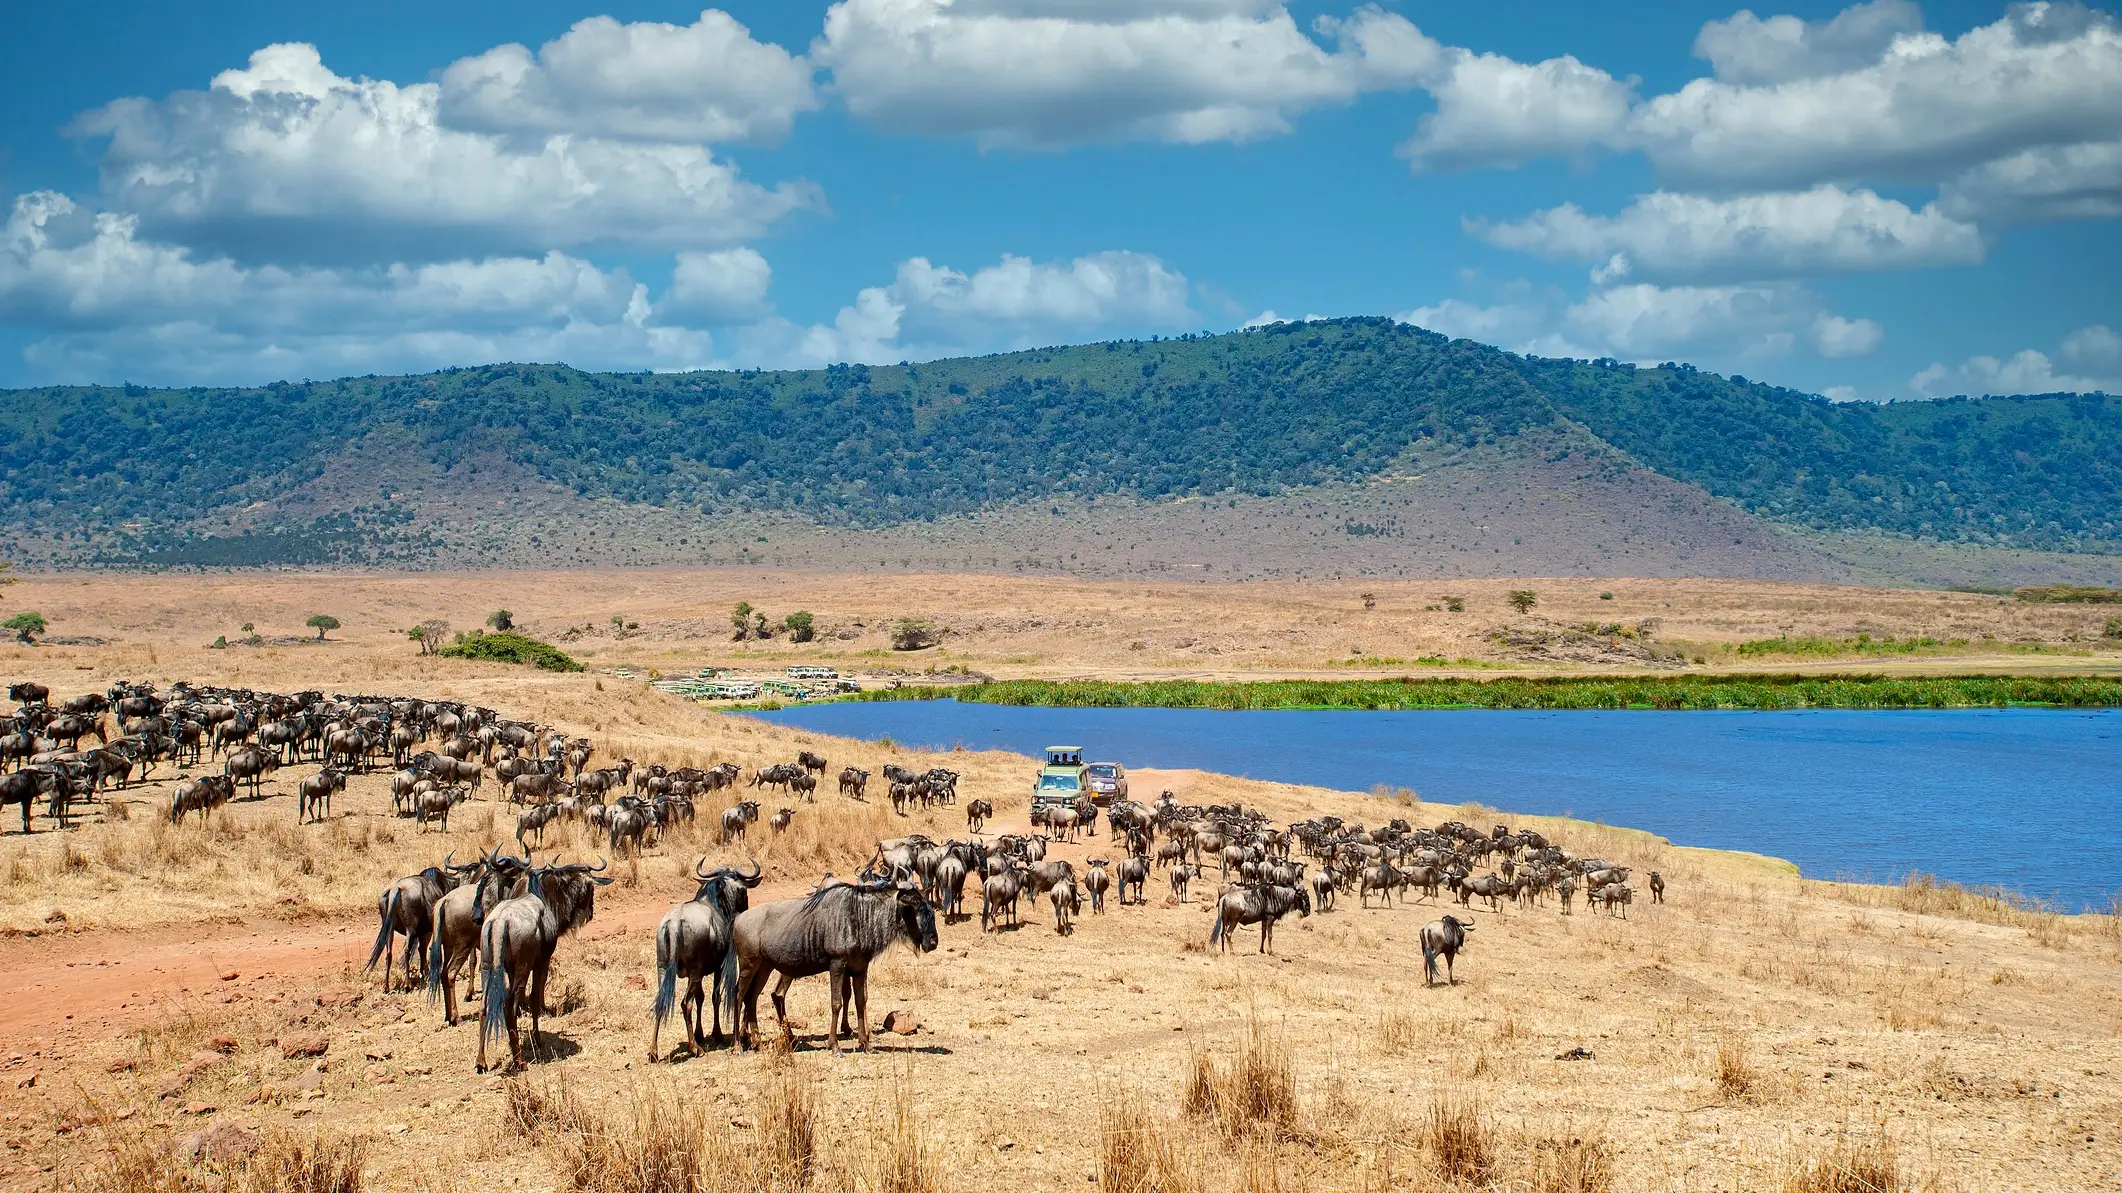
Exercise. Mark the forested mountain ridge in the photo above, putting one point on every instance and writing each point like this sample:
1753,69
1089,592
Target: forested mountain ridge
1256,412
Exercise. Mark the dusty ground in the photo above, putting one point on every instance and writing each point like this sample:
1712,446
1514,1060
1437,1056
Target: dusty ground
1981,1041
1008,626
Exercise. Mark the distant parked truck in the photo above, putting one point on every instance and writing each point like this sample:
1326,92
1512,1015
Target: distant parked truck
807,671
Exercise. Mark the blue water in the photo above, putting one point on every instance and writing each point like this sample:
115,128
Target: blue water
2022,798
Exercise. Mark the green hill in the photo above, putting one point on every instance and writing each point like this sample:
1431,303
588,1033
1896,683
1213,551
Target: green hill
1253,413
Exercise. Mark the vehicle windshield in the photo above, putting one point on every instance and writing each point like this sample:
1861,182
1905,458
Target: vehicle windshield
1059,783
1105,770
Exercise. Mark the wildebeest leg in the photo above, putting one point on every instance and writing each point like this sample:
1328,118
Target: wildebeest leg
1267,935
788,1033
862,1004
690,1008
537,1005
837,975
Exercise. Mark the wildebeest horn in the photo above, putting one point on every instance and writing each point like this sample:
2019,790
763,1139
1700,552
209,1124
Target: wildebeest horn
599,867
700,868
758,872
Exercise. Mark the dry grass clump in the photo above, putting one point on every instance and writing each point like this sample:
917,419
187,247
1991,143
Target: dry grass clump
787,1131
1736,1079
658,1144
1255,1090
904,1163
1139,1153
536,1109
1459,1144
1572,1165
1865,1163
320,1163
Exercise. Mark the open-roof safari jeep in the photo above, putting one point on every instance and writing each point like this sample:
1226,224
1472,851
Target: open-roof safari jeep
1061,781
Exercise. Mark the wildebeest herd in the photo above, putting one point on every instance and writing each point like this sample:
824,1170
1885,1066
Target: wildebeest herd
497,919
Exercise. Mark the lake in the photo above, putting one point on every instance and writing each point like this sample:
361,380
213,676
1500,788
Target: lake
2022,798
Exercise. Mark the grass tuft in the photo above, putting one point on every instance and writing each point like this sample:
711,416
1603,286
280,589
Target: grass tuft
1459,1143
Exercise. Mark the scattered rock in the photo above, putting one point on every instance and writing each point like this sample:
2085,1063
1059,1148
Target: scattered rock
377,1054
340,998
303,1044
230,976
200,1062
121,1066
637,981
29,1082
201,1108
222,1044
902,1022
395,1128
223,1141
1578,1053
307,1083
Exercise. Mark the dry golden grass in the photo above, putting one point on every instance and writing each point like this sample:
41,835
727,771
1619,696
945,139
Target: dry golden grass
904,1161
1736,1078
1571,1164
1140,1152
1461,1146
1859,1162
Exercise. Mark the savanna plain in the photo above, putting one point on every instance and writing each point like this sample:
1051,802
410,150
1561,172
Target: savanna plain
184,1007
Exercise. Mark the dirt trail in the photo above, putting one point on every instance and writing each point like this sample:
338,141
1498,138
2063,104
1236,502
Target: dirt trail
94,982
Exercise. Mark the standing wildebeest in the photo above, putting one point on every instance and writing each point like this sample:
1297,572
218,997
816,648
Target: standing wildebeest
201,795
738,820
976,814
313,795
1066,906
998,899
837,932
1096,881
407,906
692,942
1182,875
1323,889
435,803
24,786
853,782
1133,872
1262,905
516,946
950,886
250,765
455,932
1443,938
805,785
1657,887
28,693
814,763
1617,894
781,819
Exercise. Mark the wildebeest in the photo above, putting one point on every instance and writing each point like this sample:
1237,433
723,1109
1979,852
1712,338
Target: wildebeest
781,819
837,932
1323,890
814,763
1262,905
950,886
1096,881
434,804
201,795
738,820
454,934
250,765
1657,887
23,787
853,782
1443,938
516,946
998,899
1066,905
692,942
407,907
1133,872
976,814
313,795
1617,895
1182,875
28,693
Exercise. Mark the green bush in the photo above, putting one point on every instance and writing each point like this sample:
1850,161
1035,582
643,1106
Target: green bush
511,648
800,626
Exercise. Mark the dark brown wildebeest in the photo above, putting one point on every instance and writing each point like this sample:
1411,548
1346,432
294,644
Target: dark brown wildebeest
516,946
1096,881
28,693
814,763
1262,905
1443,938
201,795
836,932
976,814
313,795
407,907
1066,906
23,787
853,782
454,935
692,942
1657,887
1133,872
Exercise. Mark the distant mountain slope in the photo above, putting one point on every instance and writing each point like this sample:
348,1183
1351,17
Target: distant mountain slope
1258,413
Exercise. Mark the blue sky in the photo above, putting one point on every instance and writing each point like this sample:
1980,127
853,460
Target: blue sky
1885,201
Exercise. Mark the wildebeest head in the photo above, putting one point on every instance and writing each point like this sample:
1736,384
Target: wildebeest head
917,920
727,885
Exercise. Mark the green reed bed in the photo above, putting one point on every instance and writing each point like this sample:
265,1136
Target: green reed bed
1693,692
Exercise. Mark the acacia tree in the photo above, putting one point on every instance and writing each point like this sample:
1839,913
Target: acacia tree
1523,600
429,634
321,622
799,626
741,617
26,627
501,620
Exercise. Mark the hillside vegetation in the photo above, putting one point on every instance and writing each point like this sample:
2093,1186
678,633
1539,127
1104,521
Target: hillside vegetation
1250,413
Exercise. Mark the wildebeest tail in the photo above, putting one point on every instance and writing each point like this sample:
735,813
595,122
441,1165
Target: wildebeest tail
666,972
434,958
387,911
727,994
1215,927
1429,958
494,963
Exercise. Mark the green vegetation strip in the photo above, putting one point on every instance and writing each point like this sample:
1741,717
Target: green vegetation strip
509,647
1693,692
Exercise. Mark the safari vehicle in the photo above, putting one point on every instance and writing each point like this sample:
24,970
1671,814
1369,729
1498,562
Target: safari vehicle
805,671
1061,781
1107,781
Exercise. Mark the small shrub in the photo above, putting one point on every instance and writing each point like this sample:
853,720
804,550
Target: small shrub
788,1127
2114,626
915,633
904,1163
1137,1153
1523,600
322,1163
501,621
1573,1165
504,647
1856,1164
800,625
1256,1091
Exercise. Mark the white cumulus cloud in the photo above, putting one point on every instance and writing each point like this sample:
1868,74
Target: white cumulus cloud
717,288
1494,111
704,82
1925,110
2037,185
1723,325
1663,237
929,311
108,305
1745,48
2091,356
1056,73
285,160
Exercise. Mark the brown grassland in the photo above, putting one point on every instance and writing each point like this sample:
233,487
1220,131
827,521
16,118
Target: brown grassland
1756,1032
